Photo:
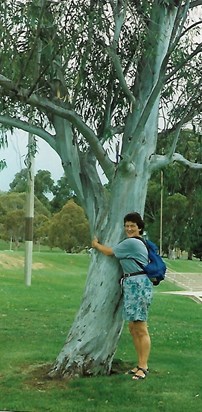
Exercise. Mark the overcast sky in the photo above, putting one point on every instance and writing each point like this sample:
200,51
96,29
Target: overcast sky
46,159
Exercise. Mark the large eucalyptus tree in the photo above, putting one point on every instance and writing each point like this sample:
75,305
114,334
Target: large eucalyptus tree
93,77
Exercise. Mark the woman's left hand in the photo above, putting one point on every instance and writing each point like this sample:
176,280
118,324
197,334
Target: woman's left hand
95,242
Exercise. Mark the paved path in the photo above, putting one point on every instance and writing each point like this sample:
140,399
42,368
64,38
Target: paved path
190,282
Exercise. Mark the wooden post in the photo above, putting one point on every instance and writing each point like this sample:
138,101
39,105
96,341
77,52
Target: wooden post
29,214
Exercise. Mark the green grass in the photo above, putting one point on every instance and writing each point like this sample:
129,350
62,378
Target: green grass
33,325
184,265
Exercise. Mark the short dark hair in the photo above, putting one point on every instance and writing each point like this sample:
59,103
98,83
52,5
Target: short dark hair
135,218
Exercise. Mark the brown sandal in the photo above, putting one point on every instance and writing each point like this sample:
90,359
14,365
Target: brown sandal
131,371
137,377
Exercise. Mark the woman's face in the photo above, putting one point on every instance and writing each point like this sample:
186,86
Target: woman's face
132,229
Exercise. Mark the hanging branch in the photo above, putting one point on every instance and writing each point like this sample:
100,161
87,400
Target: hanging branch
27,127
48,106
35,44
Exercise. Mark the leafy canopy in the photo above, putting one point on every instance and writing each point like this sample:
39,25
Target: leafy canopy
89,55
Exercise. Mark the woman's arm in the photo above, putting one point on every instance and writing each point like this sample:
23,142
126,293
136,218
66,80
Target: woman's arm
106,250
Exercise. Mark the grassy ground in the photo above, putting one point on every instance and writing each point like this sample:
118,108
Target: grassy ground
184,265
33,326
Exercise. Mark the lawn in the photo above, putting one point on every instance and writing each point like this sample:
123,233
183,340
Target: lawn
33,325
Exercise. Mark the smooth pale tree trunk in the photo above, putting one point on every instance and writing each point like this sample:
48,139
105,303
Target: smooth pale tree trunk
81,173
92,340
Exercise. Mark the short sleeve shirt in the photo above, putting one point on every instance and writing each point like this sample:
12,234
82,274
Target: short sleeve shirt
137,290
129,249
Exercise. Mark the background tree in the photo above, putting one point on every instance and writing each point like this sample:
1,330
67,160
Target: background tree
12,216
61,194
179,182
197,243
19,183
43,184
108,72
69,229
13,227
41,229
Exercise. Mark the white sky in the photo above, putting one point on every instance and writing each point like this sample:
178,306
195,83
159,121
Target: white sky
46,159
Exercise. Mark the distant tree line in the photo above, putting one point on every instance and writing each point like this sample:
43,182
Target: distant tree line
182,201
44,189
60,221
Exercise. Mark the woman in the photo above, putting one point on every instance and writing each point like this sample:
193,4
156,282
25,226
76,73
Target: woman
137,288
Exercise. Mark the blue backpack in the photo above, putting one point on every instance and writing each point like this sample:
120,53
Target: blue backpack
156,268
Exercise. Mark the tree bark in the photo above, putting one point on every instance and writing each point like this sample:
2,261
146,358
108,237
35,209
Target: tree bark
93,337
92,340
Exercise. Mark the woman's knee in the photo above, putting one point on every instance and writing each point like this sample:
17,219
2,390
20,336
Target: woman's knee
138,328
131,327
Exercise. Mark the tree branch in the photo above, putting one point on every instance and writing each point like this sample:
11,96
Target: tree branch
119,18
190,27
182,64
179,25
47,106
27,127
35,44
119,13
157,162
117,130
182,121
195,3
161,161
119,71
177,157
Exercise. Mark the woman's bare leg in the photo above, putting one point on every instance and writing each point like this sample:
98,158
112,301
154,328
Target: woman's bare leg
142,343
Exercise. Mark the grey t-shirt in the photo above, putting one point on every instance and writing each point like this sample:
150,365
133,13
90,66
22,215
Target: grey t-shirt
128,249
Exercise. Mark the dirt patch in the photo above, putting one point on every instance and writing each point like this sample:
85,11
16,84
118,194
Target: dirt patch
38,266
10,261
37,377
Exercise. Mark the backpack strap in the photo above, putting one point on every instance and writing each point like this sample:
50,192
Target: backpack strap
140,265
141,272
136,261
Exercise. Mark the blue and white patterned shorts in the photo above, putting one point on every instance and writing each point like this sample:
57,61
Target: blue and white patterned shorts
137,297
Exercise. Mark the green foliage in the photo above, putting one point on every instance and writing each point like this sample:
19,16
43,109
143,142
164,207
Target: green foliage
69,229
14,225
2,164
43,184
47,229
75,61
12,216
19,183
90,71
176,210
181,198
197,243
41,228
61,194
